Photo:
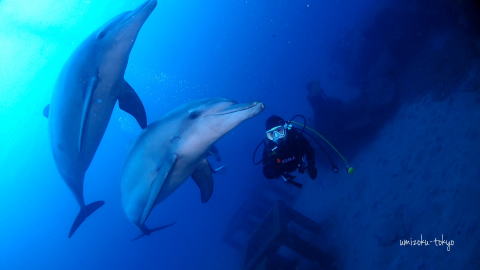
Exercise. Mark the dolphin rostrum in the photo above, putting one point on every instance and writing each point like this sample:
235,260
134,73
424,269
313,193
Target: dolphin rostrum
174,148
87,89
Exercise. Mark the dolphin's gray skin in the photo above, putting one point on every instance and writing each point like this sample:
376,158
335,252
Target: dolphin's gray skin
174,148
87,89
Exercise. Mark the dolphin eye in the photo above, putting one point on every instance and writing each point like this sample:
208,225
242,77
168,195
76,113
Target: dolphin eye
111,25
102,34
194,114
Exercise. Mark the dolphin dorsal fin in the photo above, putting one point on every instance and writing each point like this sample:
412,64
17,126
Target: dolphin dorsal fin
129,101
204,180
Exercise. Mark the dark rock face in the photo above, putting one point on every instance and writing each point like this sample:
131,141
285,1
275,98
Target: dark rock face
417,180
405,52
416,66
348,124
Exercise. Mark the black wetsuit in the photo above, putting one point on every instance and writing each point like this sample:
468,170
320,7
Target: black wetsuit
287,156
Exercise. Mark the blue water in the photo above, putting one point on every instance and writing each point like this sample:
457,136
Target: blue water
244,50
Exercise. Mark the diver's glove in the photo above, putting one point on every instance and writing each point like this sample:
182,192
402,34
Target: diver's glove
312,172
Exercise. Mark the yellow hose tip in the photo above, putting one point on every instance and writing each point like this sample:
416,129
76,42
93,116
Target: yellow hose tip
350,170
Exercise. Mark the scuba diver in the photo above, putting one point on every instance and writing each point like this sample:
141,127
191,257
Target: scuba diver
286,150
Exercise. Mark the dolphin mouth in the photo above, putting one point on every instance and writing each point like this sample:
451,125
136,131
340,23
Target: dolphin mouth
144,10
234,108
148,5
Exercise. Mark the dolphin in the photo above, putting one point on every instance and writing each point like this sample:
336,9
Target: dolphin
89,85
174,148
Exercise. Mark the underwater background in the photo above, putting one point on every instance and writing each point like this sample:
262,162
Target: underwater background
403,85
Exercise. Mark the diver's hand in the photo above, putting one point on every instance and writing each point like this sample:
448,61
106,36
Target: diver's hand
312,171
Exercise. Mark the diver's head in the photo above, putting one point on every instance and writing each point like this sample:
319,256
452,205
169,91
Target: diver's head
276,128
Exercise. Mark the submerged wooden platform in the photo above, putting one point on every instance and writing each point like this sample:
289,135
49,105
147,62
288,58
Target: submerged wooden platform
285,230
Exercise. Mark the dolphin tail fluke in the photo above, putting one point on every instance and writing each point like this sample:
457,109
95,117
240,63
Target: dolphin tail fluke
84,213
146,231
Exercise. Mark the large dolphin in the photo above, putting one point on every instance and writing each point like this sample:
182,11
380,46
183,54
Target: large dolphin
87,89
174,148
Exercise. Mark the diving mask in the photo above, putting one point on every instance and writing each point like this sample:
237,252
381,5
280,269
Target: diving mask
276,133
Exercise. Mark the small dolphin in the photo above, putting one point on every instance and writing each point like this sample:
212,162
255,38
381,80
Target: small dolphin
174,148
87,89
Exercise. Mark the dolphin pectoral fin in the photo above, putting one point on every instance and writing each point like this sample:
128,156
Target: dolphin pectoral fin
130,102
46,111
162,173
87,104
146,231
204,180
84,213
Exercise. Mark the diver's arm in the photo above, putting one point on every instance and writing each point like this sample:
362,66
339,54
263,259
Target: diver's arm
271,170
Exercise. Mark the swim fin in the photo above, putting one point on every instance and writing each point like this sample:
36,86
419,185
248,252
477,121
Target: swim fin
296,184
287,178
